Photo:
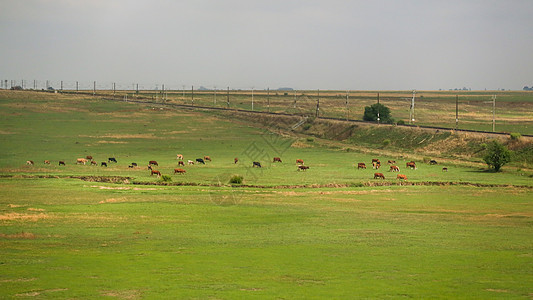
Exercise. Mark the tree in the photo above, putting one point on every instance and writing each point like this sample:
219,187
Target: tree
371,113
496,155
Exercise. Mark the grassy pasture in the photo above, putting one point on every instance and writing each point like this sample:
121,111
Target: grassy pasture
68,238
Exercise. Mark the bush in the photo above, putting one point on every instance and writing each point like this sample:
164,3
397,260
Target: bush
515,136
306,126
310,139
371,113
236,179
386,142
401,122
166,178
496,155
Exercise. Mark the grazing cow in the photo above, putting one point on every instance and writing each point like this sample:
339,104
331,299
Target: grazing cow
391,162
153,162
411,165
207,158
432,162
130,166
444,169
256,164
376,165
111,159
199,160
103,164
394,169
46,162
375,160
61,163
179,156
181,163
190,162
134,164
81,161
179,171
300,161
277,159
379,175
29,162
235,160
302,168
89,157
156,172
401,176
361,166
149,167
93,163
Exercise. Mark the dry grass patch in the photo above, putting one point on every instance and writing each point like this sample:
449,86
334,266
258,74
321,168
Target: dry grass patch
23,217
126,294
22,235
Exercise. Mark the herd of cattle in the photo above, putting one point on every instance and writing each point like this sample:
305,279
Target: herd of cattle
376,164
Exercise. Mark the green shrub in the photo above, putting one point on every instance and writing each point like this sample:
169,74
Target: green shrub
306,126
515,136
386,142
310,139
400,122
236,179
371,113
497,155
166,178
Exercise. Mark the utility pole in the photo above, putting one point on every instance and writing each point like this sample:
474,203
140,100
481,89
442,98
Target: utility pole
94,88
114,90
456,112
252,99
378,109
268,99
34,84
61,85
412,110
192,94
317,103
493,113
347,109
137,89
77,86
215,101
294,99
228,98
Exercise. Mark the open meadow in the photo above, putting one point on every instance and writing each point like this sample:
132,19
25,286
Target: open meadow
78,231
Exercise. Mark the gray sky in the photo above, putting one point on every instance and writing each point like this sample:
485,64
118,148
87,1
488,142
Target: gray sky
334,44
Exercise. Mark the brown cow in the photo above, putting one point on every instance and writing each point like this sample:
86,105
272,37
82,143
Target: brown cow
361,166
277,159
302,168
190,162
179,156
180,171
61,163
47,162
300,161
411,165
29,162
93,163
375,160
379,175
153,162
394,169
236,160
181,163
89,157
155,172
444,169
81,161
401,176
376,165
392,162
207,158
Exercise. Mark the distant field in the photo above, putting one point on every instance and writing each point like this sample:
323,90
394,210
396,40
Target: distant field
514,109
63,237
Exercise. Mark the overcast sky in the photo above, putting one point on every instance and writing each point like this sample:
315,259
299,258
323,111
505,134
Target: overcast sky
333,44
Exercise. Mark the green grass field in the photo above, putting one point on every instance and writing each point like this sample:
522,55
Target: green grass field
62,237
